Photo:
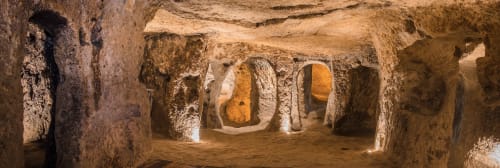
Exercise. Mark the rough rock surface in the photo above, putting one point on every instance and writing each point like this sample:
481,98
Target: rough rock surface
433,107
173,70
443,36
362,108
238,109
11,99
39,81
97,120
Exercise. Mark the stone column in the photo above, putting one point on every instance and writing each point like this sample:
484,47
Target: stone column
418,101
175,67
339,95
489,78
284,72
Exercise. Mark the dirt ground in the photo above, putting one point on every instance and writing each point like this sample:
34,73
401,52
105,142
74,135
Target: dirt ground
314,147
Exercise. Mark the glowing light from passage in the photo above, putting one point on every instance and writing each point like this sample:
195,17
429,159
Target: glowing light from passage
372,150
195,134
495,153
381,134
238,109
285,125
485,153
321,82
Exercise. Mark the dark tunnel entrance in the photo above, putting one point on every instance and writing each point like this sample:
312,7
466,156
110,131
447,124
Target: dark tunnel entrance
362,108
39,80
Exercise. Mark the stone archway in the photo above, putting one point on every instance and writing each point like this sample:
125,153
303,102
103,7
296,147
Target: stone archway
44,75
247,99
312,98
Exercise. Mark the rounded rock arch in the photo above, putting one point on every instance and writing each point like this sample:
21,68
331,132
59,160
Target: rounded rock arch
263,96
52,48
298,104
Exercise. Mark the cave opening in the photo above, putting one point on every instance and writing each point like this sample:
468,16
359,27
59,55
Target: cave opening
467,141
248,97
362,108
314,82
468,81
240,110
39,80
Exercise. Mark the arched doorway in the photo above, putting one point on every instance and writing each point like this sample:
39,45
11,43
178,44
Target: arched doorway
248,97
47,41
362,107
314,82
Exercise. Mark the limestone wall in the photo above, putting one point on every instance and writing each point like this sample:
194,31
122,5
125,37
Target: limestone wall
173,69
102,113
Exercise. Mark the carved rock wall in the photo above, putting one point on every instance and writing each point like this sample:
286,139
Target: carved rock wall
173,68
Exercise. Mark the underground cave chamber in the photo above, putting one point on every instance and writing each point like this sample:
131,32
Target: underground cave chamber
269,84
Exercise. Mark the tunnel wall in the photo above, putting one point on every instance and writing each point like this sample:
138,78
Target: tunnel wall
285,64
362,106
227,54
223,90
12,32
418,93
215,83
489,78
102,118
468,126
266,89
39,80
174,68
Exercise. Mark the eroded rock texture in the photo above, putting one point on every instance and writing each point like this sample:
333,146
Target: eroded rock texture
40,74
12,30
420,82
238,110
362,108
82,70
173,69
97,122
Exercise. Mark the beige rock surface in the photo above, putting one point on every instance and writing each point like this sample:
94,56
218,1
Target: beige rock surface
400,68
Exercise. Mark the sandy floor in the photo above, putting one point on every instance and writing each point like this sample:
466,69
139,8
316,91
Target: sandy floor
34,155
315,147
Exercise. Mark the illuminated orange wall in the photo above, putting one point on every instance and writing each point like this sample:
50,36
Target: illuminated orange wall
321,82
238,108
